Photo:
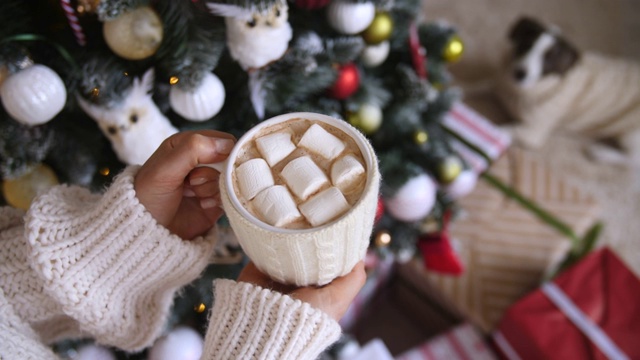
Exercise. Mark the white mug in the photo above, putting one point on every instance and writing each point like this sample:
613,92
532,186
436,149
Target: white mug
313,256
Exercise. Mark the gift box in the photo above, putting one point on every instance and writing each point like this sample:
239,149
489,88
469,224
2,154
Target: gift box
405,312
476,139
589,311
461,343
506,248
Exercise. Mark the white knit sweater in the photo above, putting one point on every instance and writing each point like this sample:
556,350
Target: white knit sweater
99,266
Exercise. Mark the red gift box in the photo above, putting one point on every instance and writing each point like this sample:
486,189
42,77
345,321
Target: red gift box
591,311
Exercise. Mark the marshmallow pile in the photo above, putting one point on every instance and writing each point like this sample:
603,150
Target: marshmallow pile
308,191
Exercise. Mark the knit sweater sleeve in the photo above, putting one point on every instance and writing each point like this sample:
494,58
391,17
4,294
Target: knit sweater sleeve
250,322
108,263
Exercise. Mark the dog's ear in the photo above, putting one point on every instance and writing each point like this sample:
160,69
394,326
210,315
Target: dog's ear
560,57
525,28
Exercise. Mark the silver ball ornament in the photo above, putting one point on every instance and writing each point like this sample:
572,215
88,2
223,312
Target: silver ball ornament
350,18
33,96
201,103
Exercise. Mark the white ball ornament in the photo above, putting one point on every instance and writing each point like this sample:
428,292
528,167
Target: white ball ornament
34,95
414,200
94,352
201,103
350,18
370,118
134,35
462,185
181,343
374,55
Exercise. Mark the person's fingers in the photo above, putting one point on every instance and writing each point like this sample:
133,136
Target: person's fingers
203,183
334,298
179,154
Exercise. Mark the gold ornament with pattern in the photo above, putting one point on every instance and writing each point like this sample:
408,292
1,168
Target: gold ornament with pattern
134,35
19,192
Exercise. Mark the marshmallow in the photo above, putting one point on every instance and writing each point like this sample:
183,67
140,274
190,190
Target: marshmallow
253,176
275,147
318,140
276,207
324,207
346,171
304,177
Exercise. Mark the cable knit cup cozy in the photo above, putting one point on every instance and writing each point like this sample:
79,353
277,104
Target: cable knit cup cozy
302,230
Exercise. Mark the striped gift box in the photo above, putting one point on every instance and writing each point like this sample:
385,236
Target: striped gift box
461,343
506,249
476,139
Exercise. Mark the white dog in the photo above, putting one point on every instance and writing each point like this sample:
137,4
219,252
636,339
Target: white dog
549,86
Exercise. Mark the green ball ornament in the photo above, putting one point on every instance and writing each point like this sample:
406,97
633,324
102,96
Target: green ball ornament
379,30
19,192
449,169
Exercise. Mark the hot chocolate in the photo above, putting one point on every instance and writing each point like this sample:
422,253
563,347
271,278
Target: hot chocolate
299,174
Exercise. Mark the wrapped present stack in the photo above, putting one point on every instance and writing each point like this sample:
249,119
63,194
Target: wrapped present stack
506,248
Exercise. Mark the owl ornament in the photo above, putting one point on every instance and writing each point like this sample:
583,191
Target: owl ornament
258,32
135,126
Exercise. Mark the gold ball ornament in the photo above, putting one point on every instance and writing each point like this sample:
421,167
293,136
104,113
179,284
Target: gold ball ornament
379,30
449,169
134,35
367,119
420,137
383,239
19,192
453,50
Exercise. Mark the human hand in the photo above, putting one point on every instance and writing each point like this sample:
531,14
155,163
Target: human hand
180,195
333,299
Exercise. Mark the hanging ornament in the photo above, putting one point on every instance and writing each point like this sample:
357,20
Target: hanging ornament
350,18
181,343
449,169
347,82
19,192
201,103
311,4
374,55
135,126
414,200
94,352
256,38
367,119
462,185
437,252
74,23
88,6
420,137
418,52
379,30
382,239
135,34
379,210
453,49
33,96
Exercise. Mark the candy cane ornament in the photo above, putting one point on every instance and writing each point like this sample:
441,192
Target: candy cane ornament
70,13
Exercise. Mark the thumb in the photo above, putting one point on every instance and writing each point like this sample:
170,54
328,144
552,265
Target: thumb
183,152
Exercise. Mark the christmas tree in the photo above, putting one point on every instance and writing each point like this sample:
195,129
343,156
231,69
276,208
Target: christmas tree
91,86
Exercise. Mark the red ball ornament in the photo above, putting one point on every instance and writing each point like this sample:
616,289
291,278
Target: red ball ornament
379,210
312,4
347,82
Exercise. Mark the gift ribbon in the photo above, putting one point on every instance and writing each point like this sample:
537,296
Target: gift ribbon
583,322
578,318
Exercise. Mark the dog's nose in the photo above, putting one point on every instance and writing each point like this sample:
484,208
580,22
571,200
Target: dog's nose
519,74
